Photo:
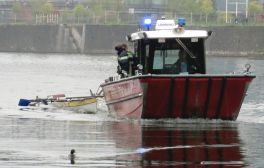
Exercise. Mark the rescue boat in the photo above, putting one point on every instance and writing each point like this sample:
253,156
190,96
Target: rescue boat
156,86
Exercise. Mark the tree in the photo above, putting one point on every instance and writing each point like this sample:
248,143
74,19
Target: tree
118,4
36,5
207,8
17,8
79,10
183,6
221,17
101,9
255,7
47,8
95,9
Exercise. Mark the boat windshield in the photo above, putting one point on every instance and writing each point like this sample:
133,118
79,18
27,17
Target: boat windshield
170,57
165,61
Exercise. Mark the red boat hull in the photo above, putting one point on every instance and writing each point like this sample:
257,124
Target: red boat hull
196,96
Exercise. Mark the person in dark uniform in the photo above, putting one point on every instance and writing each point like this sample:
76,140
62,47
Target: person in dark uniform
182,64
125,60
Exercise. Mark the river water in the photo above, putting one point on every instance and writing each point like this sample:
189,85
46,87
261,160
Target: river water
44,137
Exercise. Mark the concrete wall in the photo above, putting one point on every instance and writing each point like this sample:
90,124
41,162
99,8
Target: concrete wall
101,39
236,41
233,41
39,38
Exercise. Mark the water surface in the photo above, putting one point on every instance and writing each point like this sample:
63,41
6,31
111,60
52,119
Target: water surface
38,137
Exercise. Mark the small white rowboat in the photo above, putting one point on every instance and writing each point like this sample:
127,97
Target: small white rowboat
86,104
78,104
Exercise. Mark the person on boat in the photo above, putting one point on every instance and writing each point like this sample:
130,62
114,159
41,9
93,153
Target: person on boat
125,60
182,63
119,49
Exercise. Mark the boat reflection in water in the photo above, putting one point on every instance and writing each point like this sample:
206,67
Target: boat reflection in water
181,145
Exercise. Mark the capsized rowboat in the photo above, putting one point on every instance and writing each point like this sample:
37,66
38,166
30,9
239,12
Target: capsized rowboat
84,104
77,104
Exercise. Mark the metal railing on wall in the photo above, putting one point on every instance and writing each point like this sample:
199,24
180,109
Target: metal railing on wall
135,18
47,19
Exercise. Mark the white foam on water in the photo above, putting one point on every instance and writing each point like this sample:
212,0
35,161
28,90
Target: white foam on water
251,113
55,114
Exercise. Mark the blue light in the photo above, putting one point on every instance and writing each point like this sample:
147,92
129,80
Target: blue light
181,22
147,22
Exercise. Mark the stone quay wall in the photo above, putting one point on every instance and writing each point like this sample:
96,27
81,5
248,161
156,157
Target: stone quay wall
101,39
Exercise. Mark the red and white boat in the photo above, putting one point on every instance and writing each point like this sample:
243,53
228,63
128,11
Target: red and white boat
156,87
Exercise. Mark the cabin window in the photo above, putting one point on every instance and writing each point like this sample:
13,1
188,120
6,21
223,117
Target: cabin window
164,61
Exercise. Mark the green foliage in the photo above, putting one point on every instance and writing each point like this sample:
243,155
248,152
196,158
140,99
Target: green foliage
47,8
95,7
66,15
41,6
36,5
255,6
221,18
80,10
207,6
116,5
17,8
184,6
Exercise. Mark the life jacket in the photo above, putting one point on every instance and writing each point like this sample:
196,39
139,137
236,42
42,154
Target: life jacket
124,57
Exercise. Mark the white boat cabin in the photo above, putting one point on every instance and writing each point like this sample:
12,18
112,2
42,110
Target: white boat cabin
169,49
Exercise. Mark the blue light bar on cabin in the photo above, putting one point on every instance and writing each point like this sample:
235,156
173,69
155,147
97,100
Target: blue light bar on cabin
181,22
147,21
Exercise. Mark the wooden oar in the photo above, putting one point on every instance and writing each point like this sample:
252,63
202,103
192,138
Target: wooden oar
85,97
